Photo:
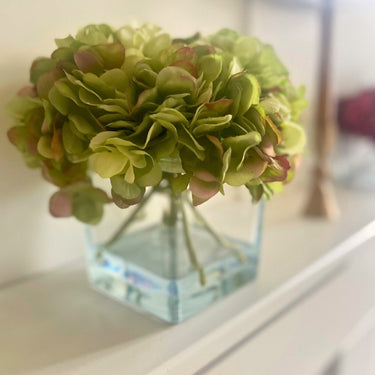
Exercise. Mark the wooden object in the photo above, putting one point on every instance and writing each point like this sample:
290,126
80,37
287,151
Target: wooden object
322,201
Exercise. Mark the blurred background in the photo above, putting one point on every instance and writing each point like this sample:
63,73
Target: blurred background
31,241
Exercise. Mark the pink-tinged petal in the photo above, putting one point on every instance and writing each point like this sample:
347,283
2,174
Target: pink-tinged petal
283,162
121,202
87,62
202,50
278,171
268,147
57,147
276,137
45,128
60,204
273,89
112,54
203,190
32,146
188,66
47,80
28,91
215,141
197,201
263,155
220,107
15,134
188,54
205,176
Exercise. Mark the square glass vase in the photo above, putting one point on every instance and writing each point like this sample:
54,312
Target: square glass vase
170,259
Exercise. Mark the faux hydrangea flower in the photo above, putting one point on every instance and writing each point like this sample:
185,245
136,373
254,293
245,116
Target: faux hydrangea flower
137,107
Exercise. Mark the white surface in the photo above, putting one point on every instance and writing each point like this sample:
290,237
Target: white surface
57,325
356,354
304,339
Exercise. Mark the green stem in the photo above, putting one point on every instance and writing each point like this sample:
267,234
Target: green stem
170,220
222,241
190,246
129,220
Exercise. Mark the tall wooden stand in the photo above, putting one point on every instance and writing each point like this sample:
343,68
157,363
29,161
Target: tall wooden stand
322,201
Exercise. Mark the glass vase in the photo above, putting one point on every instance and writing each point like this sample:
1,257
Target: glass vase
170,259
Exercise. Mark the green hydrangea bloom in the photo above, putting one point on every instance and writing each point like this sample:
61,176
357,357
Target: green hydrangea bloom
137,107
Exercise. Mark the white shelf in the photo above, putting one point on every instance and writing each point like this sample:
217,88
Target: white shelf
55,323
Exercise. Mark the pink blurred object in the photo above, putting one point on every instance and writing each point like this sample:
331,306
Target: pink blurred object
356,115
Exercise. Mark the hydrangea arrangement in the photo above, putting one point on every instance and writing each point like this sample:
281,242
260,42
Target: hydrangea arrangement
137,107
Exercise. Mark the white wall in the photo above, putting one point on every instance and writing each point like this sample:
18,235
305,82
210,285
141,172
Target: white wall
30,240
295,33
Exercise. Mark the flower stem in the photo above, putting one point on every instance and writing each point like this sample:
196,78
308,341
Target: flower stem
189,243
222,241
129,220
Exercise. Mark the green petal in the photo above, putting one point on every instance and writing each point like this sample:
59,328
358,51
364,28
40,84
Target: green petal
108,164
174,80
44,147
210,66
112,54
87,62
294,139
124,189
151,178
244,89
